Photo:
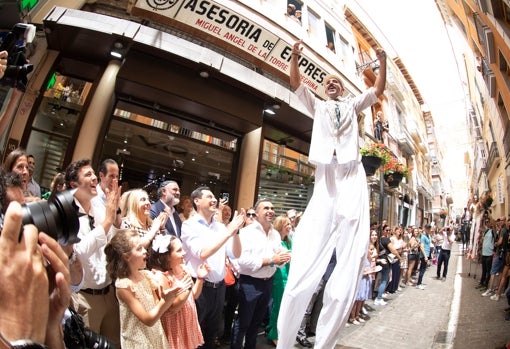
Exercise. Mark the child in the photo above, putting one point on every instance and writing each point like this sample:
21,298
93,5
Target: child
180,321
141,300
364,287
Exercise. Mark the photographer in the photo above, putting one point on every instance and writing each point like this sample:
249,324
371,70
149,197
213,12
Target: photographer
31,318
3,63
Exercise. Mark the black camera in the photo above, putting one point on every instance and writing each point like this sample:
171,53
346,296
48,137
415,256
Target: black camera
77,336
56,216
17,65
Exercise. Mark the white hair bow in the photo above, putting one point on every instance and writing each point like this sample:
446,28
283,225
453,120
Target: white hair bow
160,243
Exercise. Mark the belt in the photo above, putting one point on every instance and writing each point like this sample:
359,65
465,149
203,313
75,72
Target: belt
96,292
214,284
248,277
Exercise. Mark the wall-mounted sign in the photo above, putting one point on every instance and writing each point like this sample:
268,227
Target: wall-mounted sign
236,30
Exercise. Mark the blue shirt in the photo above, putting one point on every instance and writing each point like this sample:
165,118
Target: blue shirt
425,241
488,243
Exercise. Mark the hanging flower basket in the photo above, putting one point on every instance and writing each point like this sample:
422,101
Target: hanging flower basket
393,179
371,163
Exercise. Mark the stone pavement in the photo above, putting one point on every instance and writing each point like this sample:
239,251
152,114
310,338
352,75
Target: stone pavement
447,314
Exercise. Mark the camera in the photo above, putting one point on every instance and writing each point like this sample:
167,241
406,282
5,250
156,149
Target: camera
56,216
17,65
77,336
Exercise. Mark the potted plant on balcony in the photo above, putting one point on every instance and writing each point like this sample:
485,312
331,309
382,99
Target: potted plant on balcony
394,172
373,156
486,201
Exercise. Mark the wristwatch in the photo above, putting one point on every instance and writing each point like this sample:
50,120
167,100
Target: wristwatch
271,264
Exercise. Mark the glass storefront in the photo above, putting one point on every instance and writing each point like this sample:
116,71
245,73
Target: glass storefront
55,124
152,148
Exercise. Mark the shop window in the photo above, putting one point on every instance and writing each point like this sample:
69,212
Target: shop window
55,124
152,147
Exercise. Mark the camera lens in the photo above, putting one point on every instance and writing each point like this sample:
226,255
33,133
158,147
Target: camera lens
57,217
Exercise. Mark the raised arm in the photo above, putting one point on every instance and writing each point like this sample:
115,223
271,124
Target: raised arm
380,81
295,76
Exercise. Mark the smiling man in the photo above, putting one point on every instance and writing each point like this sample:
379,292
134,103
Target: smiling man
342,223
96,301
261,255
206,240
169,195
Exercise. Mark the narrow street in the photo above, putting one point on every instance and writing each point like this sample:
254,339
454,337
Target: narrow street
447,314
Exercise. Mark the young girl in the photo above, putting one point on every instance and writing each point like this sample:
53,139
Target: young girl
365,287
141,300
180,321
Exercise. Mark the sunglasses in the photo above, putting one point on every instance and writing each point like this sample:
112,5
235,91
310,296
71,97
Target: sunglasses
253,215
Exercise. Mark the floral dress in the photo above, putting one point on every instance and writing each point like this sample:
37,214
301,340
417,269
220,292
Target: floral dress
134,334
182,329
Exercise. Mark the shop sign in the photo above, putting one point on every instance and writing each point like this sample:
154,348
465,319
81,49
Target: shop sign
234,29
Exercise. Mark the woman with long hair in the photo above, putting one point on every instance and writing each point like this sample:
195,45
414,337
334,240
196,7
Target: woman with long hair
135,211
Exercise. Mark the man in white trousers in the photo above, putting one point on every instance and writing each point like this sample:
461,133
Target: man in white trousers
337,214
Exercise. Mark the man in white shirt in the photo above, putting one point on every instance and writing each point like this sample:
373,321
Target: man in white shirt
108,175
261,255
169,196
96,301
444,254
206,240
338,212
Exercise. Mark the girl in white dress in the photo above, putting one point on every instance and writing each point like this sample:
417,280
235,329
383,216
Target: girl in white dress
141,299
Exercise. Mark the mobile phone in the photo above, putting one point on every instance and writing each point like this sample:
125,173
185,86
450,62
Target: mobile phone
225,197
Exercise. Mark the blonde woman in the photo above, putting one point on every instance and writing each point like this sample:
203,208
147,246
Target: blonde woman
135,207
398,244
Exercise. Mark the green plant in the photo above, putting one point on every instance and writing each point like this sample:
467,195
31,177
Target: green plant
377,149
486,200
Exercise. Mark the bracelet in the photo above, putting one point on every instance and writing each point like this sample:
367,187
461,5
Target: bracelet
27,344
21,343
295,54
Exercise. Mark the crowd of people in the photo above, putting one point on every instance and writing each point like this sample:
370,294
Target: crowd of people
190,272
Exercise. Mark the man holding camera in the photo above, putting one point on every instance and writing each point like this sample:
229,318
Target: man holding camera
444,255
96,301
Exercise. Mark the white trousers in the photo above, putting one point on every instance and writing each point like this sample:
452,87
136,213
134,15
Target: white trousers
337,216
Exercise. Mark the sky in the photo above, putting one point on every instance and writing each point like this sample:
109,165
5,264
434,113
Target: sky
428,48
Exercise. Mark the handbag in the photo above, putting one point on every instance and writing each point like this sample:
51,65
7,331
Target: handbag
230,278
392,258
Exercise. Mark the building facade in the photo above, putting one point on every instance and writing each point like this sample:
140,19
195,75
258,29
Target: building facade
198,91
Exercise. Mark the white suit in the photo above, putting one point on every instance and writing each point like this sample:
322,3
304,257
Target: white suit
337,216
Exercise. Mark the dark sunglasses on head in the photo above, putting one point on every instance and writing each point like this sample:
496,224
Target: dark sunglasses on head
251,215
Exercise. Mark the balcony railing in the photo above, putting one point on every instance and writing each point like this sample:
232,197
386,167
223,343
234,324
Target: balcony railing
493,155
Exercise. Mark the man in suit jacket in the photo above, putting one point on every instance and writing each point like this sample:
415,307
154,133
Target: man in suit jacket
169,194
